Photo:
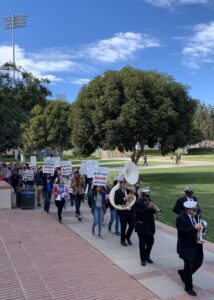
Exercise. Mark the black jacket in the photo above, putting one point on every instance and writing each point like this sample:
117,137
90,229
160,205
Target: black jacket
144,218
119,196
179,205
187,246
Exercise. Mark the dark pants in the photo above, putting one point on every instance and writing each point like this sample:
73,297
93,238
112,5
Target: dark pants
191,266
78,200
145,245
126,218
47,197
72,199
59,205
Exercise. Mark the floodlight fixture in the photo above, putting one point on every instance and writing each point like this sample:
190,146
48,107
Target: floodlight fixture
12,22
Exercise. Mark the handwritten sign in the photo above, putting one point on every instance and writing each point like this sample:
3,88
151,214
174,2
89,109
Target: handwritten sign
28,175
48,169
66,168
100,176
33,161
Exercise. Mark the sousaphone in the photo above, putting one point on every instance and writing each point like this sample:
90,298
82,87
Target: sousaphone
131,174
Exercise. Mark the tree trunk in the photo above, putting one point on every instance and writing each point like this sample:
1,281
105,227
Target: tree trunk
136,155
60,152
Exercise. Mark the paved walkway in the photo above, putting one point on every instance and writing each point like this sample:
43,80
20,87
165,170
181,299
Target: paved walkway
42,259
160,278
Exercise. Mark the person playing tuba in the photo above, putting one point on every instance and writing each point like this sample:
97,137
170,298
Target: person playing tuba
122,197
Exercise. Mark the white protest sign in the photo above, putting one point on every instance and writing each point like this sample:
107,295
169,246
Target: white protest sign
100,176
28,175
66,168
52,160
48,169
83,169
91,165
33,161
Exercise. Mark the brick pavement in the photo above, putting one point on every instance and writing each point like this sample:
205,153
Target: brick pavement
42,259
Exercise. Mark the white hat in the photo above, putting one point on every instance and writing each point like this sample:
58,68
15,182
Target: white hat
145,190
188,189
190,204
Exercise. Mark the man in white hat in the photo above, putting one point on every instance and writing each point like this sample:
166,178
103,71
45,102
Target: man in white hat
179,205
187,247
145,225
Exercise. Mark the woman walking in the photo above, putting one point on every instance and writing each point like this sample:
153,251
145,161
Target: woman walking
96,200
60,191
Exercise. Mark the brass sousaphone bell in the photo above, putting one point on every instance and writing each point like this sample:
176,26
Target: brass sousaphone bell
131,174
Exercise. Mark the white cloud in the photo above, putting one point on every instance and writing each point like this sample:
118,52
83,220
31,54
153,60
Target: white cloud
120,47
199,48
80,81
35,64
172,3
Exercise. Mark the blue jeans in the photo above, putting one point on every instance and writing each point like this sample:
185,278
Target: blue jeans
98,217
77,201
114,217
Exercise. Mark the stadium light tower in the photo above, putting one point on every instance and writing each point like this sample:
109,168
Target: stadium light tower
13,22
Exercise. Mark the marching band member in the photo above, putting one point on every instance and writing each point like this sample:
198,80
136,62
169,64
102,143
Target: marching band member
145,225
188,248
179,207
126,216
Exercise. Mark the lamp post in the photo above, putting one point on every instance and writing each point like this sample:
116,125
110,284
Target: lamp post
13,22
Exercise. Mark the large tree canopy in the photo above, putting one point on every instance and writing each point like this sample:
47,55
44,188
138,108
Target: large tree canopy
128,106
17,98
47,127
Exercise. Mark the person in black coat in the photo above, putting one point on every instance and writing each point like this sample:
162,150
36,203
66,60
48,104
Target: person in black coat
126,216
145,225
179,207
188,248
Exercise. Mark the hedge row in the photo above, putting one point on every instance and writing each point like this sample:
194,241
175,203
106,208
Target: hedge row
195,151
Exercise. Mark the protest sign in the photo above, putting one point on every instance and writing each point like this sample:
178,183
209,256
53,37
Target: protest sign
28,175
52,160
100,176
66,168
48,169
33,161
91,165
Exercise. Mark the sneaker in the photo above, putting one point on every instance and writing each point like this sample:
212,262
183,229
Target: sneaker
191,292
100,236
79,218
117,233
150,261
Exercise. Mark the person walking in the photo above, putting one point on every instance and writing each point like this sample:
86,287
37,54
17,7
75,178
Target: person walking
188,247
96,200
60,191
47,191
127,215
179,205
77,183
114,214
145,225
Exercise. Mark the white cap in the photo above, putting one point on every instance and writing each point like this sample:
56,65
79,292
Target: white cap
145,190
190,204
188,189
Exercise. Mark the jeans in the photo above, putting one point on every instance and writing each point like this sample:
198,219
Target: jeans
78,200
98,216
114,217
47,197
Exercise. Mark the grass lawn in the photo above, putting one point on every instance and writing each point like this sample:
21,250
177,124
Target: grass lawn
168,184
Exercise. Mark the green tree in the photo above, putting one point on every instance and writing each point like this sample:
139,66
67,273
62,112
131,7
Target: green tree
128,106
48,127
17,98
204,121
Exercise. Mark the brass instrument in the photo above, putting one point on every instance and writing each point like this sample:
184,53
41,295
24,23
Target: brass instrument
155,207
131,174
200,233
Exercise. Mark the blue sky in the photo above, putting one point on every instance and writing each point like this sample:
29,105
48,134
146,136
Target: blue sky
71,41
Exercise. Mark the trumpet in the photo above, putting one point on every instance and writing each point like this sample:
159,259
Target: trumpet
155,207
200,233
